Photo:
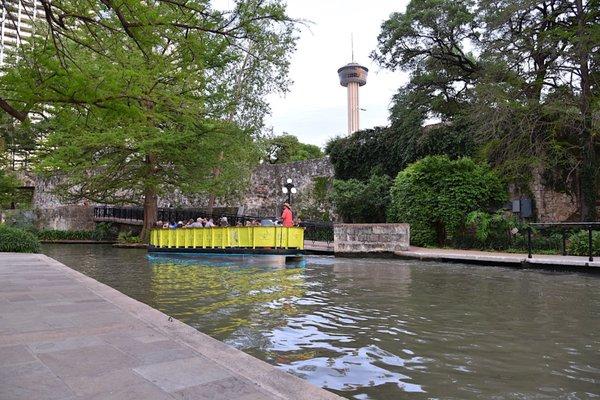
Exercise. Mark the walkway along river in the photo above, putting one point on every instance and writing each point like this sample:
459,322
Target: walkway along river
379,329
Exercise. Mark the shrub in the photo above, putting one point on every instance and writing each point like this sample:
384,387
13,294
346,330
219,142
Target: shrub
102,231
357,201
434,195
128,237
18,241
578,244
51,234
487,231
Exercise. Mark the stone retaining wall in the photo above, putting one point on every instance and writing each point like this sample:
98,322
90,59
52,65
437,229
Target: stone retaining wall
370,238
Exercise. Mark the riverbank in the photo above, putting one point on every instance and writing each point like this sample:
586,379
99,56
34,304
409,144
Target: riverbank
503,259
63,334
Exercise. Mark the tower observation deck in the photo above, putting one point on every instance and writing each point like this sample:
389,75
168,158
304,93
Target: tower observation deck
353,76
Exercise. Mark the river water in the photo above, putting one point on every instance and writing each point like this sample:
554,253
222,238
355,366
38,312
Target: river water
379,329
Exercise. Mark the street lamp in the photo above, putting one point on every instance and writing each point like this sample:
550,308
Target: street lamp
289,189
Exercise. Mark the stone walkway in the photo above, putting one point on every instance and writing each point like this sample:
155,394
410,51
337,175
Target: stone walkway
65,336
486,257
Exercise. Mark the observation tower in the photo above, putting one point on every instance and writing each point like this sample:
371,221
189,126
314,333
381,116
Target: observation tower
353,76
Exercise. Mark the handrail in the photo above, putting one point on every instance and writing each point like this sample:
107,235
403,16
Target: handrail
590,225
314,230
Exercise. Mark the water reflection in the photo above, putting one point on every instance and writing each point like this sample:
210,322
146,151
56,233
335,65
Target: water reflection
380,329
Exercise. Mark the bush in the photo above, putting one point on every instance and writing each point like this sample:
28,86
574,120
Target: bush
487,231
434,195
50,234
102,231
357,201
18,241
578,244
128,237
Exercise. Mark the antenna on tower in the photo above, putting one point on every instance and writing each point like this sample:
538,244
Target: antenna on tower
352,45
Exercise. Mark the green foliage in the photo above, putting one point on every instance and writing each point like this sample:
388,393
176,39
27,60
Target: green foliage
128,237
434,195
51,234
357,201
8,188
390,150
146,98
578,243
102,231
287,148
493,229
316,203
511,89
18,241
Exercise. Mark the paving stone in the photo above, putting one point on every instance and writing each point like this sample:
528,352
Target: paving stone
176,375
143,391
224,389
65,344
86,361
85,386
15,355
31,381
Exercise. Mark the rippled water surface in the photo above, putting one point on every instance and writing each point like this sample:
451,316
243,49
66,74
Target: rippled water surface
379,329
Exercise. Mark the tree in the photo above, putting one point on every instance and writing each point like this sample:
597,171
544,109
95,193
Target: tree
429,40
287,148
434,195
528,87
357,201
389,150
145,98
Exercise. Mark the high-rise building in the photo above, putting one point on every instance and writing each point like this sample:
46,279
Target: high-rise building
16,23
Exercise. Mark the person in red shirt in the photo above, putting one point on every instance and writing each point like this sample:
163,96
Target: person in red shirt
287,219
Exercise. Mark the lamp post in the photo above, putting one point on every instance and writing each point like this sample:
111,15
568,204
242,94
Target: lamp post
289,189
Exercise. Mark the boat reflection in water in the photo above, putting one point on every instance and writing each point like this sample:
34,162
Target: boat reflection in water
226,260
228,295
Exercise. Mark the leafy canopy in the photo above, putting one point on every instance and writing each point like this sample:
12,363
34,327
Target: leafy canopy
144,98
287,148
390,150
357,201
435,195
523,75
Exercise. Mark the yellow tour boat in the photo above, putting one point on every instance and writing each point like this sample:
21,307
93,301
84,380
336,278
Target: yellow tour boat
263,240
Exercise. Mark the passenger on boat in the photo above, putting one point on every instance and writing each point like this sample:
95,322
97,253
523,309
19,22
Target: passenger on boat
286,216
197,224
159,224
223,221
172,225
210,224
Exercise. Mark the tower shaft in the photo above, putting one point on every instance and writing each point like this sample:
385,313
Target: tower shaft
353,76
353,108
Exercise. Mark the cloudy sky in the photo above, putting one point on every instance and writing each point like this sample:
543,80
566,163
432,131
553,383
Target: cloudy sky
315,107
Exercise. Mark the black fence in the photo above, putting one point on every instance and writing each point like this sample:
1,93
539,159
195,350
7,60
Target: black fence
564,228
314,230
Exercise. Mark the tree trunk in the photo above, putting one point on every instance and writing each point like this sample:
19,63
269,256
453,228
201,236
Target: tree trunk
587,184
212,198
150,213
150,202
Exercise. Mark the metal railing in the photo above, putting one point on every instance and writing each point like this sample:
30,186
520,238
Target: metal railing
314,230
564,227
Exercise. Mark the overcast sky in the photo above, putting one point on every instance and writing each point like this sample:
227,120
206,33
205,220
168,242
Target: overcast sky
315,107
